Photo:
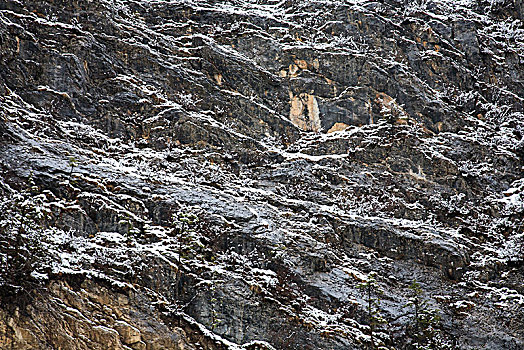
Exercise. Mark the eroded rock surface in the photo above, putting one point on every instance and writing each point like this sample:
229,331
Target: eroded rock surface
226,174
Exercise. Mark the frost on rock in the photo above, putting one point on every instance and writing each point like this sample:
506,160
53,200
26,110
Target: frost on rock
224,175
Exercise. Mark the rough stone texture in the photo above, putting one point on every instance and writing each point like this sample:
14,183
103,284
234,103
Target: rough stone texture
316,142
88,316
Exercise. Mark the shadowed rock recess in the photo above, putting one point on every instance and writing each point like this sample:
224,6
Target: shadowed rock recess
261,174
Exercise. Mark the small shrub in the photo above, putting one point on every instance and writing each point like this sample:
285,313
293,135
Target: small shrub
21,248
372,293
183,223
424,328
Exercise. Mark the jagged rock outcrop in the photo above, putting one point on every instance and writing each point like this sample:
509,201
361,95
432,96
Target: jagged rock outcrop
229,174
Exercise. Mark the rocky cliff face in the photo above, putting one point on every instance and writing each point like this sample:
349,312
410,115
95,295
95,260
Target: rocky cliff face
268,174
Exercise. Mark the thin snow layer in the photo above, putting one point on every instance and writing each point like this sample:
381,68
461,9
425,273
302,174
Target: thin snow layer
305,198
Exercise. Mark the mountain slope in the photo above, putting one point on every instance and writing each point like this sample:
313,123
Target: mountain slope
232,174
